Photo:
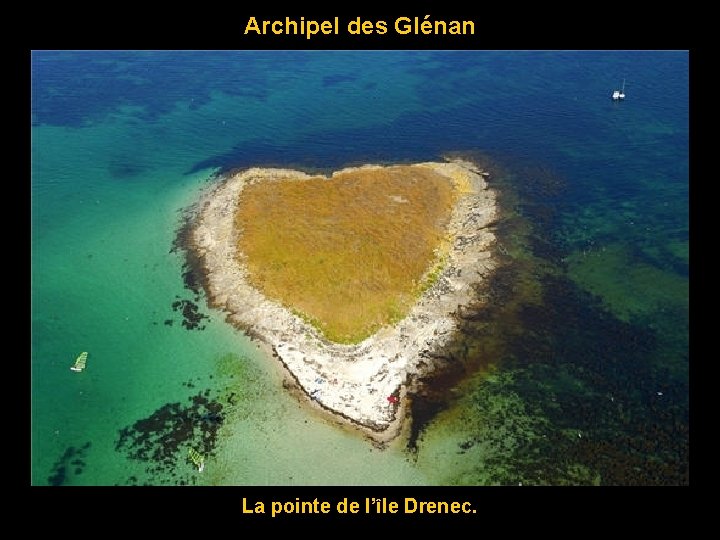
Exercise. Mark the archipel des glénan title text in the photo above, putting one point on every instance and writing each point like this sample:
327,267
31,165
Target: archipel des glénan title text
425,25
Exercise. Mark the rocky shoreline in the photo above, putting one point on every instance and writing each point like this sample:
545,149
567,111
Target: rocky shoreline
364,384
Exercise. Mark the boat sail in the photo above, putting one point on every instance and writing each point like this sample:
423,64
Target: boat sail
617,95
80,362
197,459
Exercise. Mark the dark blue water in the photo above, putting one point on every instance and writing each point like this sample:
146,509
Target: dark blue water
122,140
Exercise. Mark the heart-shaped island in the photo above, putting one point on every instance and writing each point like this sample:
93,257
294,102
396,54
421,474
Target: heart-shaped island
352,280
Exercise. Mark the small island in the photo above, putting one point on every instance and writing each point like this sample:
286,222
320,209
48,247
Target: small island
352,281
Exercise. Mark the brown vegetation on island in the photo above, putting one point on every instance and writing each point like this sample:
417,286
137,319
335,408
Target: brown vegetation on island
349,254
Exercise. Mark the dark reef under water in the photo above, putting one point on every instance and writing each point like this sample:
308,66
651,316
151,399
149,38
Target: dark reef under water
598,406
70,463
163,438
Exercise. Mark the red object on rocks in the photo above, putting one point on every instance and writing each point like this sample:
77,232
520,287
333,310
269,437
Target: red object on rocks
392,399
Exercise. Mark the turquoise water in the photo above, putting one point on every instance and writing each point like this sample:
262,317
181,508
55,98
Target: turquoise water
579,370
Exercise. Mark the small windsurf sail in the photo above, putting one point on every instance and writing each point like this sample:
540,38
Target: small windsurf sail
80,362
197,459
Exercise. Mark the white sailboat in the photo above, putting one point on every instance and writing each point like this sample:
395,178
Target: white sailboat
617,95
80,362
